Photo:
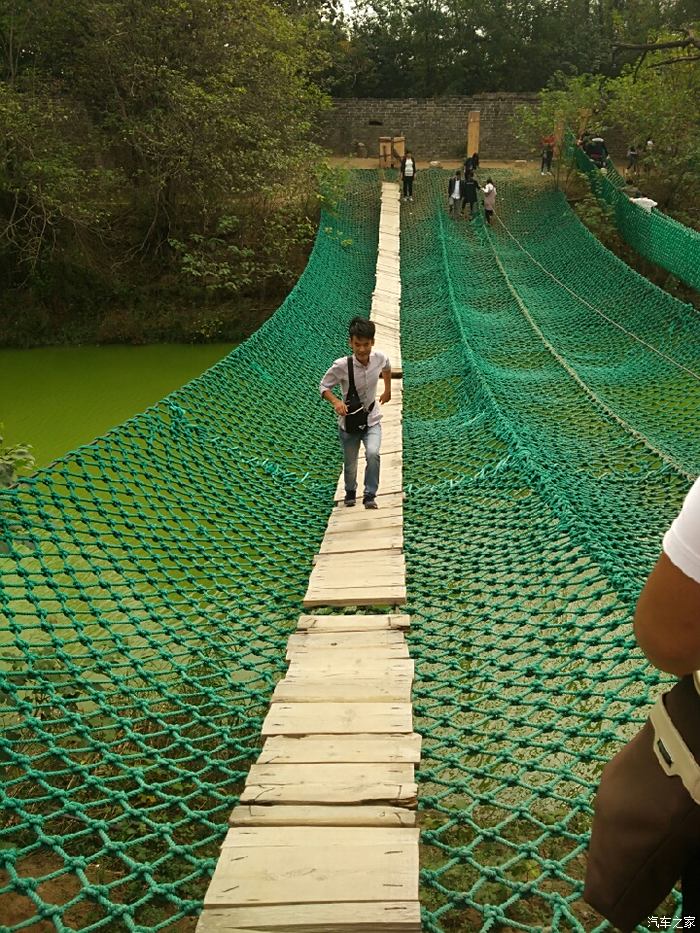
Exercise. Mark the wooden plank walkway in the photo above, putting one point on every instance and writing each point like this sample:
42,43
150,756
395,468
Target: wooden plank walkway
324,838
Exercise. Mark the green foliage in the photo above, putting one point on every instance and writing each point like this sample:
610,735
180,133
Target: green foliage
659,99
145,139
13,461
424,48
654,97
570,103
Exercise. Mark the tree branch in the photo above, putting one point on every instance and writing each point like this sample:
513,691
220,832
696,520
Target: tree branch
675,61
691,39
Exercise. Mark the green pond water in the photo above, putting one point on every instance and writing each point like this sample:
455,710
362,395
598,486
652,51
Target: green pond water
57,398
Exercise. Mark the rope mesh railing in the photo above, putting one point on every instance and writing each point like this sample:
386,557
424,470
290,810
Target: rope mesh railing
148,583
546,450
654,235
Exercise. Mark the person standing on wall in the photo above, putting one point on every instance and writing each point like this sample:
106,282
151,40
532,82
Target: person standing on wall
408,173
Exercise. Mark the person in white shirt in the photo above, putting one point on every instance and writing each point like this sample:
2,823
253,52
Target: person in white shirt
455,192
368,365
489,190
408,173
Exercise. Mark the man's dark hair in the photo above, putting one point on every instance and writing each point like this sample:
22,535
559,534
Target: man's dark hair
361,327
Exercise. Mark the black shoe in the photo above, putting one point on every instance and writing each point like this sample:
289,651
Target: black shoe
350,498
370,502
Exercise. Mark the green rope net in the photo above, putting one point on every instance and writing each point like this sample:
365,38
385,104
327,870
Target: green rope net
550,435
654,235
150,580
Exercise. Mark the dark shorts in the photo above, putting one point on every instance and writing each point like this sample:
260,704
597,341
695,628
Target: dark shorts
646,827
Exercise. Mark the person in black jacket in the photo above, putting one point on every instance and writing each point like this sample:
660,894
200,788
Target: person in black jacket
597,151
470,187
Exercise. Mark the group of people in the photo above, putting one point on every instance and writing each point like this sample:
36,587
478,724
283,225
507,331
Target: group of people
462,190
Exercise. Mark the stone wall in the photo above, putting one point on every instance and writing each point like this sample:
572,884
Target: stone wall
435,128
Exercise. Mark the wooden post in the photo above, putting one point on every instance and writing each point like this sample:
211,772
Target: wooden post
473,129
398,149
384,151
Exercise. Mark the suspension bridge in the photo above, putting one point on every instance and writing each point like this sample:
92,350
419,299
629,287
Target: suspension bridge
150,581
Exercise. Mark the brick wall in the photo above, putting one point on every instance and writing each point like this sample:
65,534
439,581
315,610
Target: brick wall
435,128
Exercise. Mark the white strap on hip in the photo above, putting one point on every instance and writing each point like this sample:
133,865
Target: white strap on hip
673,754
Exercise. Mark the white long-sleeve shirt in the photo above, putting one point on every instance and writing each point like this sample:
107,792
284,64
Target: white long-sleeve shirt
366,379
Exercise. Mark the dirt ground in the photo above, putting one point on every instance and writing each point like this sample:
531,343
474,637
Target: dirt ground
373,163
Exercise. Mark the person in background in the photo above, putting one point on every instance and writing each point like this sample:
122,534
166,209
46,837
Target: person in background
454,192
470,187
597,151
547,156
632,159
475,161
648,153
468,166
489,191
408,173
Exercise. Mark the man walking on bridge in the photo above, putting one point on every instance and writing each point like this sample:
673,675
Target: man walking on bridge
359,416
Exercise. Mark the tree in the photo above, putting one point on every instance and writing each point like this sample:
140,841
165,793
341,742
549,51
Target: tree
568,104
661,103
128,125
407,48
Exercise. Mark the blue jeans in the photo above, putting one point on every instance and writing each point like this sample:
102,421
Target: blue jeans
372,439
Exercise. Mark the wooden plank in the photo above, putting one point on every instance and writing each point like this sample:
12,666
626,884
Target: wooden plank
338,690
275,773
344,748
381,596
369,540
352,623
401,795
329,655
342,917
346,521
377,815
337,718
296,837
322,874
377,566
373,668
357,579
396,500
391,481
345,639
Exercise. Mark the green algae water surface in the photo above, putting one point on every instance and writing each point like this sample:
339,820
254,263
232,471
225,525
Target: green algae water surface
57,398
